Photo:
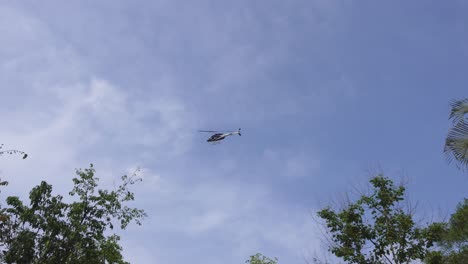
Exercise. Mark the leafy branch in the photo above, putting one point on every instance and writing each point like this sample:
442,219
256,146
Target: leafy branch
12,151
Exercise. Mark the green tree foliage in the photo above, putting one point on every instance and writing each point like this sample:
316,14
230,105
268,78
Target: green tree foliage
260,259
456,142
452,239
376,228
50,230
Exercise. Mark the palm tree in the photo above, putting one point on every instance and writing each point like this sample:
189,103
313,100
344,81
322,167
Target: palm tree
456,143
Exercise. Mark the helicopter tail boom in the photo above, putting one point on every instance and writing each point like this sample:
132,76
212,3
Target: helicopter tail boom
238,132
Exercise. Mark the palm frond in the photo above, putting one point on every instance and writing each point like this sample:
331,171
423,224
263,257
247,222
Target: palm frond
458,110
456,144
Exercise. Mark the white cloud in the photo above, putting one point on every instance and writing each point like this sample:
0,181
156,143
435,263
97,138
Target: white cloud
301,166
207,221
242,217
292,164
65,113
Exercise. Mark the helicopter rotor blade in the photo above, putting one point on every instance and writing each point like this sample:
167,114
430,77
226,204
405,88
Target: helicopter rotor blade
214,131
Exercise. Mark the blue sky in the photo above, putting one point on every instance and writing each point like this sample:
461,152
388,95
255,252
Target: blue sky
326,92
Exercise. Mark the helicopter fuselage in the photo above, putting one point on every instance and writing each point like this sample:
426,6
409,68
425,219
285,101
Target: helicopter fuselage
221,136
217,137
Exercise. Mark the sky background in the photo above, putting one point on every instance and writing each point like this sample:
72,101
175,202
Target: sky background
326,92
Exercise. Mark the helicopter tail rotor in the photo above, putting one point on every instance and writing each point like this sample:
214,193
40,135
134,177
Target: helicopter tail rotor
238,131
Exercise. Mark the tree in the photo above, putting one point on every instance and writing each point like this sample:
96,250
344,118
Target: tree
50,230
12,151
260,259
452,239
456,142
376,229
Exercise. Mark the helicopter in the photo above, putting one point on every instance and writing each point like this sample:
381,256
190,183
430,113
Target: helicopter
220,135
